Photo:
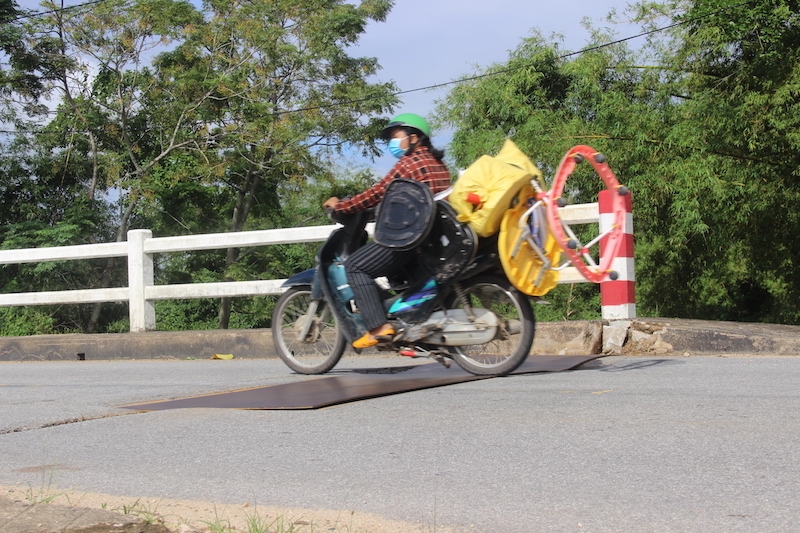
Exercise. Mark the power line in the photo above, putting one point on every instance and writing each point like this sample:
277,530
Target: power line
520,67
59,10
462,80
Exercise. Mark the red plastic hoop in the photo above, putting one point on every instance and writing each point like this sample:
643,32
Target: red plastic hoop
612,239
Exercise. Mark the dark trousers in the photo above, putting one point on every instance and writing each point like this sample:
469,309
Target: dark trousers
367,263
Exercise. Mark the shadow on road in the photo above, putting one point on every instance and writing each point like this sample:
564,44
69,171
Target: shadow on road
638,365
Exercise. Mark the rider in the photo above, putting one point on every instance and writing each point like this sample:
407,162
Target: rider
409,140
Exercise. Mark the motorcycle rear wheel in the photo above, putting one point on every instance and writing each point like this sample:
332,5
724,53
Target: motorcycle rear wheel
502,355
322,347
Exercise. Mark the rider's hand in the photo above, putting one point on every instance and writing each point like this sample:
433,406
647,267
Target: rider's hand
330,202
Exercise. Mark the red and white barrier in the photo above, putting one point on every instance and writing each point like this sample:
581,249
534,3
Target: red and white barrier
618,297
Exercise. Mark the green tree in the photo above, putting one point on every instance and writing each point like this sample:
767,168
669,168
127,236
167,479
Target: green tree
41,189
24,70
285,94
186,119
99,138
700,123
732,209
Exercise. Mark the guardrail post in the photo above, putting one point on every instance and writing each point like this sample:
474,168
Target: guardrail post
142,313
618,298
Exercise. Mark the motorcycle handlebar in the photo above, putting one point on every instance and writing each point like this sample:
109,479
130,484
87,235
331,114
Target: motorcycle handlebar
349,218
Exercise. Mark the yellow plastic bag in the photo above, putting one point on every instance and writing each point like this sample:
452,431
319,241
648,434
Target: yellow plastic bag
486,189
512,155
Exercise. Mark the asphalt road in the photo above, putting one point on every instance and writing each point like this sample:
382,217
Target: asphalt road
689,444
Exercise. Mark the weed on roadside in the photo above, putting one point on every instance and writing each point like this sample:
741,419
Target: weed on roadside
218,525
257,524
45,493
143,510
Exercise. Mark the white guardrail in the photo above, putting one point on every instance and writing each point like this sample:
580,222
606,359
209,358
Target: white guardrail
141,292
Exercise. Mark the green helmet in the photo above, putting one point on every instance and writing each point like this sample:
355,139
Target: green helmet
407,120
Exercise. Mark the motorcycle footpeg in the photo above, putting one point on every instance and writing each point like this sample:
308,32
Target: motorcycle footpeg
420,352
390,339
385,347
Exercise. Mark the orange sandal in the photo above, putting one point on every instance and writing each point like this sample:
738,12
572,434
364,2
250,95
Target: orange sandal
369,340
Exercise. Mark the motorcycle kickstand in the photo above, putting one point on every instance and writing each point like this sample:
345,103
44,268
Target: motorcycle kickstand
421,352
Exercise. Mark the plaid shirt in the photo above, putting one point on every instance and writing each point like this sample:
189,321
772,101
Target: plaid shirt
419,165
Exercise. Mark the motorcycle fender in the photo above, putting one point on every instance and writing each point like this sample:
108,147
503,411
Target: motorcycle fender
305,277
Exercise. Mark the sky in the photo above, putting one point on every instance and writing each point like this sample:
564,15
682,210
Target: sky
428,42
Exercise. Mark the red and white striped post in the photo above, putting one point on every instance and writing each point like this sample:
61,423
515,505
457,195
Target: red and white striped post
618,297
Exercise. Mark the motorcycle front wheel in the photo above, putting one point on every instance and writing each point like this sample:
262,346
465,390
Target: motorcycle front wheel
512,344
322,346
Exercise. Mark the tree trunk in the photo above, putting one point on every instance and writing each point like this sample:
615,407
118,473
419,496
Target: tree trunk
244,201
105,279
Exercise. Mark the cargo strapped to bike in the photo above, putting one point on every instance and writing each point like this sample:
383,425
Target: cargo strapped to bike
405,215
485,190
450,247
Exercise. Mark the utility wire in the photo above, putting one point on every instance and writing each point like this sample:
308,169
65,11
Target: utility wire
512,69
458,81
59,10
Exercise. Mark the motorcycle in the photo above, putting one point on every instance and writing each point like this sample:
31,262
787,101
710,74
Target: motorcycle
454,304
467,298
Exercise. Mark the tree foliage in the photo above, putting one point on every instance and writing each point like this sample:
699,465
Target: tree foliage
700,123
186,119
226,116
